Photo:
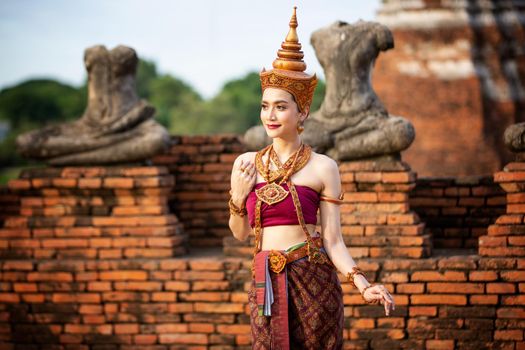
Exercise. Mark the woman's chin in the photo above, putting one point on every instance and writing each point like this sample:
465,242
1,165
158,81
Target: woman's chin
273,133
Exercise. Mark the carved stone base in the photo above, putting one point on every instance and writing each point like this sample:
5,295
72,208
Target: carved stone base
92,213
507,236
376,219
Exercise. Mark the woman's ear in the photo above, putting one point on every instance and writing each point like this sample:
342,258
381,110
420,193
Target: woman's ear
304,114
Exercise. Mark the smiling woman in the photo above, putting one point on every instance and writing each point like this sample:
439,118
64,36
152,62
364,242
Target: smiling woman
296,297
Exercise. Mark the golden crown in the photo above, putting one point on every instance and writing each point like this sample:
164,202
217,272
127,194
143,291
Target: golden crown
288,69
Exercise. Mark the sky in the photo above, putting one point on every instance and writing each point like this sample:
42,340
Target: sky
203,42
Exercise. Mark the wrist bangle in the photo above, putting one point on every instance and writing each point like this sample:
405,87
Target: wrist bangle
363,295
235,210
351,275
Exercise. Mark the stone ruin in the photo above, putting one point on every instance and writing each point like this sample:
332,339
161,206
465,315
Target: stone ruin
116,127
352,123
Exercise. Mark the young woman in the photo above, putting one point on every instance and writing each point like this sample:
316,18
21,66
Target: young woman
296,298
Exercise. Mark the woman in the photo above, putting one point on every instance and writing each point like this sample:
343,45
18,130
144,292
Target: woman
296,299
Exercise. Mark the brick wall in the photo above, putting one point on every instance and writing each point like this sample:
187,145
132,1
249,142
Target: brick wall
455,73
448,300
456,211
201,166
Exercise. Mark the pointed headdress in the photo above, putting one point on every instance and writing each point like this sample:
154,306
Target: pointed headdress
288,69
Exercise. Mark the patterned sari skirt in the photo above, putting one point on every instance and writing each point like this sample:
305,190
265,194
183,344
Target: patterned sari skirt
315,309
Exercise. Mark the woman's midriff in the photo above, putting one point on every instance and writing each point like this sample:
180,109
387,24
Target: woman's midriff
285,236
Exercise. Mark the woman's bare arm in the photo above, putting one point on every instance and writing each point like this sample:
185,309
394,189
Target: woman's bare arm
242,183
333,239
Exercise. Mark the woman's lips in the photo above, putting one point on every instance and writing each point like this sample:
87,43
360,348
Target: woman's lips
273,126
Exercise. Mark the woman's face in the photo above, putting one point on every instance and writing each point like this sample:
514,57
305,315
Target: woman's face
280,114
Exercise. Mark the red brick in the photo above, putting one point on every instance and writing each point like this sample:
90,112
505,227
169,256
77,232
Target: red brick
233,329
515,219
513,299
199,275
126,328
508,334
118,182
205,296
208,285
145,339
362,323
144,286
483,299
513,276
392,197
410,288
64,182
438,276
492,241
179,286
124,275
50,277
422,311
201,328
76,298
440,299
514,312
178,338
90,309
19,184
180,307
466,288
501,288
219,307
516,240
509,176
360,197
163,296
439,345
368,177
17,265
398,177
90,183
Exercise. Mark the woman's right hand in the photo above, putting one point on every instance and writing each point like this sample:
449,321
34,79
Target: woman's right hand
242,181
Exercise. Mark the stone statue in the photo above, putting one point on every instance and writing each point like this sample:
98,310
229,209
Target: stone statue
116,127
514,137
352,123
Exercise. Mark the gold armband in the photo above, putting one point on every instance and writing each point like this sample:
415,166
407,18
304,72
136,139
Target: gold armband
337,201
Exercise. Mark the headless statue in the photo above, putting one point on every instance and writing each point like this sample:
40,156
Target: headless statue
352,123
116,126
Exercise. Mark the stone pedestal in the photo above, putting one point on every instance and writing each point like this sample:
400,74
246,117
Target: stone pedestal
92,213
376,219
506,238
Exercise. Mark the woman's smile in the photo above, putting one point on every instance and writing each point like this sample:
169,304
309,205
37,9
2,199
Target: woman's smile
273,126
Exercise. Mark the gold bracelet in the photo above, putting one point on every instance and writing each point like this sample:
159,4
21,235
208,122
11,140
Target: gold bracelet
235,210
363,295
351,275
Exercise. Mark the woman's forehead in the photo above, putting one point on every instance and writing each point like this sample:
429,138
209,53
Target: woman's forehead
274,94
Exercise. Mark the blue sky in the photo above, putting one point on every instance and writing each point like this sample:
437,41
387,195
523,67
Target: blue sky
204,42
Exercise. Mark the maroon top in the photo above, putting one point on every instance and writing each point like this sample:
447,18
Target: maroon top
283,213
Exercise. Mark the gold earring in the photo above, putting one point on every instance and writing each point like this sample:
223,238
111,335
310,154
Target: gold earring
300,127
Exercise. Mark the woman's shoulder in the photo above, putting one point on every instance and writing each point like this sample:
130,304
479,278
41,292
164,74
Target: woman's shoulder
323,162
247,156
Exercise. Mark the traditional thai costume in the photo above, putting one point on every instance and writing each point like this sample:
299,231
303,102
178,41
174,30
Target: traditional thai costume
296,297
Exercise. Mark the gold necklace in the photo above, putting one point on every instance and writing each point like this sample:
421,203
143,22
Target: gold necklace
272,192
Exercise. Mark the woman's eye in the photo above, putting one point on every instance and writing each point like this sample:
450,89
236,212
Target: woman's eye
264,107
281,108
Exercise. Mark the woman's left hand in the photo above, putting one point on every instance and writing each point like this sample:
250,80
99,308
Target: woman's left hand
379,293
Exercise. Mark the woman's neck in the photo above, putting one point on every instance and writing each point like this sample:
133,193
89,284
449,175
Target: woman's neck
285,148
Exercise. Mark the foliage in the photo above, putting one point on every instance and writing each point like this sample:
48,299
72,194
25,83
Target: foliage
35,103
